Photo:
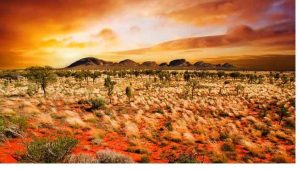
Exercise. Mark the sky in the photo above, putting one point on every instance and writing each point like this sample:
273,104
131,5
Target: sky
59,32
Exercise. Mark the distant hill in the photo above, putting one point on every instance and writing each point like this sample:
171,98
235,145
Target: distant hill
95,63
180,63
90,61
150,64
128,63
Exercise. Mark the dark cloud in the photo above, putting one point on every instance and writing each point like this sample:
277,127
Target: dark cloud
221,12
281,36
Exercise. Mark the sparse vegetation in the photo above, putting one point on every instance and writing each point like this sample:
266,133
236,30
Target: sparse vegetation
222,117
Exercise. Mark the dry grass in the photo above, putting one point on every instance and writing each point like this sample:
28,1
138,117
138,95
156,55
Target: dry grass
159,118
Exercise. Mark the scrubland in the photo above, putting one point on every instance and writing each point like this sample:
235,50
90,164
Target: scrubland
168,117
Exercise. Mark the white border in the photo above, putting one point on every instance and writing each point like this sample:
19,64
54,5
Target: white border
176,166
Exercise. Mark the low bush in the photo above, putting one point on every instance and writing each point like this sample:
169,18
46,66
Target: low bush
80,158
228,146
49,151
279,158
12,126
187,157
96,103
144,159
218,158
107,156
169,126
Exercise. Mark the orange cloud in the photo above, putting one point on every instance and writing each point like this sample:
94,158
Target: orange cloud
34,31
135,29
25,23
81,44
108,36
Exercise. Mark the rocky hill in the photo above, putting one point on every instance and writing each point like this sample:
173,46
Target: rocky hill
95,63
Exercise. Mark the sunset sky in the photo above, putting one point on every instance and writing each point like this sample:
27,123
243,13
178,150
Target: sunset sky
58,32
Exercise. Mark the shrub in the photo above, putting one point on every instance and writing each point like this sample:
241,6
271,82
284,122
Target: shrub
97,103
279,158
290,123
107,156
186,76
159,110
226,82
224,135
32,90
137,150
12,126
128,92
21,122
46,151
80,158
228,146
169,108
144,159
1,123
186,158
218,158
239,88
169,126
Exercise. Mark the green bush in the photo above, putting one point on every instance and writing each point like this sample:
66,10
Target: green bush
49,151
21,122
12,126
169,126
97,103
1,125
107,156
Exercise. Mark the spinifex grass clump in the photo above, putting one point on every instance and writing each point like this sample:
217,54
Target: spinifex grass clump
107,156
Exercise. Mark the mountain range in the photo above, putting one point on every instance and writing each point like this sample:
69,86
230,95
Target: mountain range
95,63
